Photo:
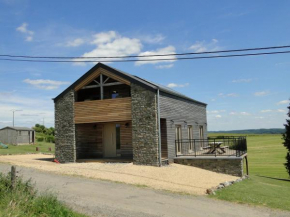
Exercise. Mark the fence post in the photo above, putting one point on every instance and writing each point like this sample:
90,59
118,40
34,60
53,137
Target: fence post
13,177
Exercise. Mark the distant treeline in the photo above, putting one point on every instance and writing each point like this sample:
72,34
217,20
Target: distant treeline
254,131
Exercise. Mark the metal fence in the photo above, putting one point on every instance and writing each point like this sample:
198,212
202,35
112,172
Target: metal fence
213,146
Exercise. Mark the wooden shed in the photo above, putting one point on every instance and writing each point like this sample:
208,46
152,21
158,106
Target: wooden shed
17,135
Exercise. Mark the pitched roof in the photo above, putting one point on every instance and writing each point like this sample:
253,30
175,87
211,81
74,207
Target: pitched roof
18,128
131,78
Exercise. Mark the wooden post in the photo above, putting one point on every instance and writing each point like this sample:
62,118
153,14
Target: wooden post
247,166
13,177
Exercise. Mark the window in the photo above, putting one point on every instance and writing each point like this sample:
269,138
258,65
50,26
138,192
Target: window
190,137
118,137
178,138
201,135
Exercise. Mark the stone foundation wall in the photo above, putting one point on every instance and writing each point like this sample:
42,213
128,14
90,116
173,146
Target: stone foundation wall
65,148
233,166
144,126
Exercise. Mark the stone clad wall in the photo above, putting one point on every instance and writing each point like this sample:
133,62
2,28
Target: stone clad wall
144,126
65,148
233,166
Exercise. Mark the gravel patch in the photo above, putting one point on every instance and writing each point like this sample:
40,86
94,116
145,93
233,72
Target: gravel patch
175,177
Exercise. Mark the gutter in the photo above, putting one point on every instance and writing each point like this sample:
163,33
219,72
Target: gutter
159,128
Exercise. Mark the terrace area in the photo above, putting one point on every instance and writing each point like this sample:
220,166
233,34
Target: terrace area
212,147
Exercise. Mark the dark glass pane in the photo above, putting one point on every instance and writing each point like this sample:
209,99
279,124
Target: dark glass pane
118,136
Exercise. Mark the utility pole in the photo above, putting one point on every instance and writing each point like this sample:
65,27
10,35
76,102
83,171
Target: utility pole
13,114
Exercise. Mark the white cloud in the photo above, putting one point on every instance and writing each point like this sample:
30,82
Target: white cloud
172,85
105,37
45,84
152,39
28,33
240,113
32,109
202,46
232,94
242,80
259,117
262,93
218,116
281,110
110,44
245,113
267,110
283,102
216,111
228,95
164,66
75,43
165,50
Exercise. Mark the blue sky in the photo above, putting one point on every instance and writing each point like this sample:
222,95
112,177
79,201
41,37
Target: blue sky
241,93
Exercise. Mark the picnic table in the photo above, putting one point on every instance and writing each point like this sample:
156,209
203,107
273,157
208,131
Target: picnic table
215,147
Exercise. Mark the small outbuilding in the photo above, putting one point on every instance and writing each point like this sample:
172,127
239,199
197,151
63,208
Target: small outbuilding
17,135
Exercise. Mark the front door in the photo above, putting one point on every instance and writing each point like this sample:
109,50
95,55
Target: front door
109,140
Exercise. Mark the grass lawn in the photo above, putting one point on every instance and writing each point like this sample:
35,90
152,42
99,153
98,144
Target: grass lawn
266,156
258,191
24,149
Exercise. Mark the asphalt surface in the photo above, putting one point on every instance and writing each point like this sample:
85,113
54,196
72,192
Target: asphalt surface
104,198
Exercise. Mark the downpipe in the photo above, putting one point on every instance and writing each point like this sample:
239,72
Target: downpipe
159,128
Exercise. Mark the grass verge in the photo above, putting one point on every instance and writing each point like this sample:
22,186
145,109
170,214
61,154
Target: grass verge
24,149
258,191
23,201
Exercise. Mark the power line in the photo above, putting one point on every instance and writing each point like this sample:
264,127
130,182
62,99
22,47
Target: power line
148,60
138,56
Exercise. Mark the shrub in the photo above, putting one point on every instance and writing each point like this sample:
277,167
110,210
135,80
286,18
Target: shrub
50,138
40,139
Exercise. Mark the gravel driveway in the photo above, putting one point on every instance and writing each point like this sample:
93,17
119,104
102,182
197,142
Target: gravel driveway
175,177
103,198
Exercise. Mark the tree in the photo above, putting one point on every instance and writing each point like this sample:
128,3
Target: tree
286,137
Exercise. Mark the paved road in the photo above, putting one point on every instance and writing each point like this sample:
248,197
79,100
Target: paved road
102,198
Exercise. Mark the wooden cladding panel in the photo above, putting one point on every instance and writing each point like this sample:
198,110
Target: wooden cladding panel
95,74
103,110
126,139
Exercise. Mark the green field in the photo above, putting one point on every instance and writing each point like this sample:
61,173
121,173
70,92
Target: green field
25,149
266,156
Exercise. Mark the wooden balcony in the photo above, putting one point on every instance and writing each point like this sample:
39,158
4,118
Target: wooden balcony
106,110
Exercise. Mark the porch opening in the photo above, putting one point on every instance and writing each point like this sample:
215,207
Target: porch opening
110,140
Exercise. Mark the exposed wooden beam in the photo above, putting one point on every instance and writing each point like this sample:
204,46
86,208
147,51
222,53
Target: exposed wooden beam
104,85
96,82
106,80
101,86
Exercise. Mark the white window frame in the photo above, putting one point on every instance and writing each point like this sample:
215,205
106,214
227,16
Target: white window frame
178,137
190,137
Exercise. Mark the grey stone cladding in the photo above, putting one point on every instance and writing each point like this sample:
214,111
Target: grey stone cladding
232,166
65,128
144,126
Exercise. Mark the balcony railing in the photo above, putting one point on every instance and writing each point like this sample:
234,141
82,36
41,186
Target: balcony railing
213,146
